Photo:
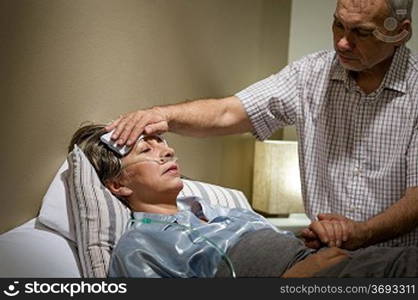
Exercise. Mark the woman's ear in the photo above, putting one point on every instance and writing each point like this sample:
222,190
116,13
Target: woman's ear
118,189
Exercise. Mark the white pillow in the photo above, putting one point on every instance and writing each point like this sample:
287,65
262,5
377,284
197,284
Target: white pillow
32,250
55,212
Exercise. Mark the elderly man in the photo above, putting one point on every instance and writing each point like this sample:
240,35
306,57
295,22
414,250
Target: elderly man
356,113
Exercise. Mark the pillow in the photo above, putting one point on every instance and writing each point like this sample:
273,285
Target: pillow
216,194
32,250
99,217
78,206
55,212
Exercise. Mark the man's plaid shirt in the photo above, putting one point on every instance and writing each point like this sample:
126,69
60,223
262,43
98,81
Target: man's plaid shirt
358,152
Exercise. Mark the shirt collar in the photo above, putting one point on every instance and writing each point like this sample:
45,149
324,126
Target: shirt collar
192,204
395,78
145,217
338,72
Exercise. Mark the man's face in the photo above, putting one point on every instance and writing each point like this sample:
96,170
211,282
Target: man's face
354,22
149,170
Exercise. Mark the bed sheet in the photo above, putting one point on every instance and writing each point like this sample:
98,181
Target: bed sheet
33,250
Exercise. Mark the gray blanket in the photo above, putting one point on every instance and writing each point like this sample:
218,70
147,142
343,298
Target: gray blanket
266,253
377,262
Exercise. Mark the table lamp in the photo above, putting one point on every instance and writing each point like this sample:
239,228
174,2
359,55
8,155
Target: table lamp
276,183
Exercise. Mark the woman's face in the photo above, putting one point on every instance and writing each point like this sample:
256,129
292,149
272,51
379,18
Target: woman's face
149,169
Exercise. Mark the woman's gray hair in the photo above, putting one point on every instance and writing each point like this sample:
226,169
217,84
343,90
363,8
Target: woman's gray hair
107,164
400,9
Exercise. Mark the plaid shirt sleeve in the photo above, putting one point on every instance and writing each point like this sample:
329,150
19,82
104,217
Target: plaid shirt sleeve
273,102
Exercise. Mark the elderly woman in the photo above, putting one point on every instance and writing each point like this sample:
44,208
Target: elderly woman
187,237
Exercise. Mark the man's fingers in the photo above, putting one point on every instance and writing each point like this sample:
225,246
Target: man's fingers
338,231
314,244
329,227
320,231
120,127
310,238
136,131
345,229
132,121
129,127
329,232
147,124
112,125
308,234
305,232
322,217
156,128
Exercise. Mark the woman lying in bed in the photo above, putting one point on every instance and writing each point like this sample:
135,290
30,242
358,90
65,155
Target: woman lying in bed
187,237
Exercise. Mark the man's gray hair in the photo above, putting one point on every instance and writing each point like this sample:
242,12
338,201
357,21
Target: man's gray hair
401,9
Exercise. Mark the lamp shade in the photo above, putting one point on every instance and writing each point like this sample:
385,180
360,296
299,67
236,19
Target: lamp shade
276,183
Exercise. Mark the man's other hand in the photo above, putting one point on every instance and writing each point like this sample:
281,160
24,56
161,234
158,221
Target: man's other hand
334,230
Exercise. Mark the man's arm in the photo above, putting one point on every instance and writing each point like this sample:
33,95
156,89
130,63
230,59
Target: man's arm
332,229
398,219
197,118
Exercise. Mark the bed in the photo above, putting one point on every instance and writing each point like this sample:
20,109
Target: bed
79,223
34,250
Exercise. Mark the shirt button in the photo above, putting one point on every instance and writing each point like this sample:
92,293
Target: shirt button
357,171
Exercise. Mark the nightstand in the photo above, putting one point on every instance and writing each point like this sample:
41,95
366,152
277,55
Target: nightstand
294,223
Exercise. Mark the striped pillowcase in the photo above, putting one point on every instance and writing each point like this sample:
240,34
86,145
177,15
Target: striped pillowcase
100,218
217,195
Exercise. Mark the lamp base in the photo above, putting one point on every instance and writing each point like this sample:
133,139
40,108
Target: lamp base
294,222
271,215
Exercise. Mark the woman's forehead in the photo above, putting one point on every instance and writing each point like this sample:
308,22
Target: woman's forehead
143,141
149,139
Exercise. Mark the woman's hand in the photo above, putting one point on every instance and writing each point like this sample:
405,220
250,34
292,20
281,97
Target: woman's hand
315,263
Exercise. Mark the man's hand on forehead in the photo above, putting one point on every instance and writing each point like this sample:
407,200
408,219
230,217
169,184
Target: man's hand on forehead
128,127
124,150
